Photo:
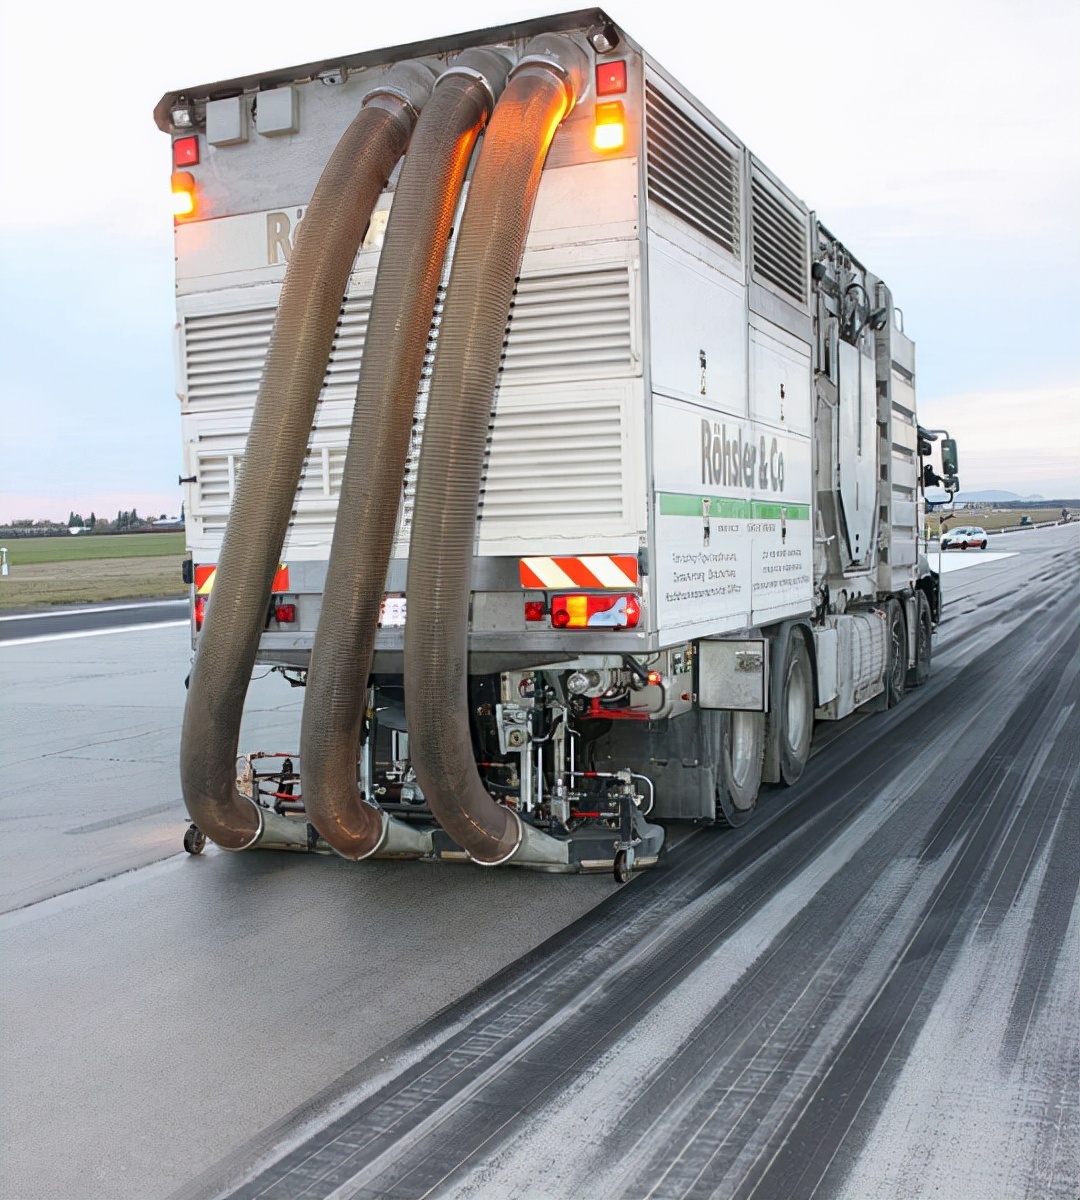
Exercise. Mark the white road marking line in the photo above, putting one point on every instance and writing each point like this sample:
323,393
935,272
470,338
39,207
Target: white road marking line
964,558
75,612
83,633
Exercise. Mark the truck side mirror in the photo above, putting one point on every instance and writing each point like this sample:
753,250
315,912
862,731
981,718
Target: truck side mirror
949,464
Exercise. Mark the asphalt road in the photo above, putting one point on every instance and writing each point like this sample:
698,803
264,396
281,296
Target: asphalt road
24,627
869,992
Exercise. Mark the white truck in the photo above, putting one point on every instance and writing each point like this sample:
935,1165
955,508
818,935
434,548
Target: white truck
545,436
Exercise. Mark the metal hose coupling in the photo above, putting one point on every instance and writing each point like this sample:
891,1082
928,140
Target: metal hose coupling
542,89
300,344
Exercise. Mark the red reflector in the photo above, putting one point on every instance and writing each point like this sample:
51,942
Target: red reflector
285,614
185,151
534,610
200,612
610,78
654,677
608,611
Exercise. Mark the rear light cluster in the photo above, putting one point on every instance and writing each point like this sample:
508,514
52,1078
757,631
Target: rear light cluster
606,611
609,120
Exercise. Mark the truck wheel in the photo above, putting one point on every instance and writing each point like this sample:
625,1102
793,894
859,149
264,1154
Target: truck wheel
896,654
742,753
797,709
920,672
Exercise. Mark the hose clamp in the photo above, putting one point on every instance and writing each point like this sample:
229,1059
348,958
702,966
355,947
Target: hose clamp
555,67
498,862
256,836
379,844
471,73
399,94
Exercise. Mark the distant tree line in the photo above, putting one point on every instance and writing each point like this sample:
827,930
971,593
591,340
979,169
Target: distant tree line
126,521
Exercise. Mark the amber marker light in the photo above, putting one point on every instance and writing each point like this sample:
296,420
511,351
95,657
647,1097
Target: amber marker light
183,190
609,130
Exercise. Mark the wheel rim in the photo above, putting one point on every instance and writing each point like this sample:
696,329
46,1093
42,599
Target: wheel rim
744,749
797,717
899,651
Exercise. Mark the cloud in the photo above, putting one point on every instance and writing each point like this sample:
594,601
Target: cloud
1024,441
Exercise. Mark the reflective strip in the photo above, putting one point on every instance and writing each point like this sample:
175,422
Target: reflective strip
204,580
612,572
588,571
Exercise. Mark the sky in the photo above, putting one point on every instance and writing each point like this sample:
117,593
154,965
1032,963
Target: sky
939,140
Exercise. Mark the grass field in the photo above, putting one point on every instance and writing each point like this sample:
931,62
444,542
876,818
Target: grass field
86,546
84,569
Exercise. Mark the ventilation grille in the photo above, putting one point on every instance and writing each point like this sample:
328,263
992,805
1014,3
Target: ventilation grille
570,325
565,325
218,471
555,464
225,353
777,241
548,461
690,174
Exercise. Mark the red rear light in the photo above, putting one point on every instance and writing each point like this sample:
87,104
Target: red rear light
285,614
185,152
535,610
610,78
200,611
608,611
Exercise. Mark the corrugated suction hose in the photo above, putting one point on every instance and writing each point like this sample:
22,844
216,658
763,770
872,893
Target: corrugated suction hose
300,344
411,263
543,88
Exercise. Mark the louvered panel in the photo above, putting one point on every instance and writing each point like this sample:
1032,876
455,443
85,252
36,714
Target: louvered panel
691,174
570,325
218,471
214,473
777,241
224,355
556,462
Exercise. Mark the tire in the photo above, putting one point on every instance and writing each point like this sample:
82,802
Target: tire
742,754
924,645
896,654
796,709
982,545
622,870
194,840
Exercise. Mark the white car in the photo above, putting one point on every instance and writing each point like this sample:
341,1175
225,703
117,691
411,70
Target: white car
966,538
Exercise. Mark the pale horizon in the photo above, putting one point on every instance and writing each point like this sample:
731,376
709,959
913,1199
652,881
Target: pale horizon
950,165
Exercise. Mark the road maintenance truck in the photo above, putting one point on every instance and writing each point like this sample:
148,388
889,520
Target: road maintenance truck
544,436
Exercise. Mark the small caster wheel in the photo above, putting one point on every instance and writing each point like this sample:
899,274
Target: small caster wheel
194,840
624,867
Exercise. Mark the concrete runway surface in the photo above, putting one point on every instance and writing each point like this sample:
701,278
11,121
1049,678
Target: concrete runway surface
868,992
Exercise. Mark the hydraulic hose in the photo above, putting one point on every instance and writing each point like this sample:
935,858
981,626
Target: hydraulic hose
543,88
300,344
410,266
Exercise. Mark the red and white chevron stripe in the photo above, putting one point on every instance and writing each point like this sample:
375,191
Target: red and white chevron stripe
584,571
205,575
